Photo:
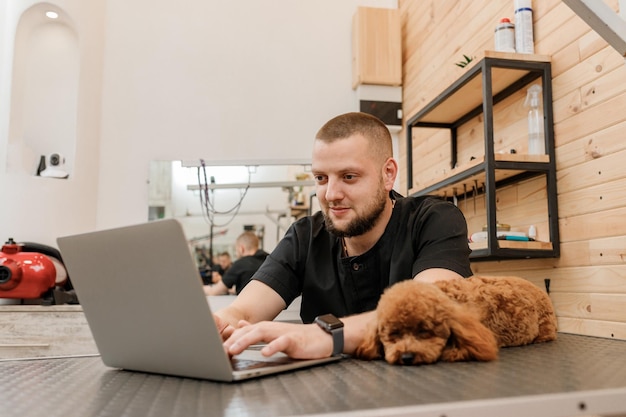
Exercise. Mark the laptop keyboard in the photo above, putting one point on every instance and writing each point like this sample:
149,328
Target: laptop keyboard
246,364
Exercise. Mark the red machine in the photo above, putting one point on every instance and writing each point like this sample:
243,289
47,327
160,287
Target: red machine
24,274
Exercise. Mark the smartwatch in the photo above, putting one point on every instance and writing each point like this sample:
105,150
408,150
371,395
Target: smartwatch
332,325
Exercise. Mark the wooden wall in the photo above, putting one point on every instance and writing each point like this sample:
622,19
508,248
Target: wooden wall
588,281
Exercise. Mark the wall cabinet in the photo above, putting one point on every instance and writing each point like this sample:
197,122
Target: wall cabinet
376,47
488,82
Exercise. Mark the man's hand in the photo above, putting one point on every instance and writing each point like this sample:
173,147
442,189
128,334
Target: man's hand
300,341
223,327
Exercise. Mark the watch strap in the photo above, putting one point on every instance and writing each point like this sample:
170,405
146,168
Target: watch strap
337,335
332,325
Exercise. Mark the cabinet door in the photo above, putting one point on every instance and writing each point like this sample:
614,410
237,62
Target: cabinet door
376,47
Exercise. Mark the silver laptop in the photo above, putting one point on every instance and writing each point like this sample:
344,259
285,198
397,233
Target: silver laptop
142,297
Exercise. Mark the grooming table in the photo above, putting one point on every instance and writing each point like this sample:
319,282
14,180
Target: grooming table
573,376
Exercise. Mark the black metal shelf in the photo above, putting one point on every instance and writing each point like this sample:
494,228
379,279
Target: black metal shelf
489,81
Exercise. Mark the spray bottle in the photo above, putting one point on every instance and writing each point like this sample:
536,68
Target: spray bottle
536,141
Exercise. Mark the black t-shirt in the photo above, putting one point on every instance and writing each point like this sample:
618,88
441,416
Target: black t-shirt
241,271
423,233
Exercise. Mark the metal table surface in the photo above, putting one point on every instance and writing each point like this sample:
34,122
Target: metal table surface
572,376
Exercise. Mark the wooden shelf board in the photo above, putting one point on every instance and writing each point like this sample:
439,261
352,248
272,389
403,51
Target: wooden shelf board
513,244
469,182
516,56
469,95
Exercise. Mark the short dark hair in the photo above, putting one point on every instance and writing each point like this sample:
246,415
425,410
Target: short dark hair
349,124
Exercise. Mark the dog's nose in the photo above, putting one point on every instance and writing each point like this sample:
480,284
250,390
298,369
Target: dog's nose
407,358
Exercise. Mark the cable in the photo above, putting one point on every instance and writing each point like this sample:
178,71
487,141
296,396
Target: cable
207,198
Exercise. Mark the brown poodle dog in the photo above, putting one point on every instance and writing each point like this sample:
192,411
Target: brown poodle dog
457,320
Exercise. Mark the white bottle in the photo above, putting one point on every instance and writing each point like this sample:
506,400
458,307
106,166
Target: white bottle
524,43
505,36
536,140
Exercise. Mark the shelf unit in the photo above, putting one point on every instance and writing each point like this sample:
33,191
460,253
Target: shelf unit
486,83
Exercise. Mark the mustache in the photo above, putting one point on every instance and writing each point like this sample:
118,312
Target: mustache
336,205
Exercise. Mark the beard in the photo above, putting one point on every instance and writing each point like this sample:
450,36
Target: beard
364,222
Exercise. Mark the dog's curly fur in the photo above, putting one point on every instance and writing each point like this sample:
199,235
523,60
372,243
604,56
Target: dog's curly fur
457,320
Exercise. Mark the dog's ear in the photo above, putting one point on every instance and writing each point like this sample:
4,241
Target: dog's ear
371,347
469,339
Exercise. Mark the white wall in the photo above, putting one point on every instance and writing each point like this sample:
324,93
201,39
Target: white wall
213,80
40,209
205,79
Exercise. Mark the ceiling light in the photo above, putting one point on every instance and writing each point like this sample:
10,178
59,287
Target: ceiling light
52,15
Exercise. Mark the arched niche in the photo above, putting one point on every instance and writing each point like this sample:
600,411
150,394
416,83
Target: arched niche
44,90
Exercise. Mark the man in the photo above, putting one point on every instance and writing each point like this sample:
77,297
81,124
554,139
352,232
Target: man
221,266
250,258
366,238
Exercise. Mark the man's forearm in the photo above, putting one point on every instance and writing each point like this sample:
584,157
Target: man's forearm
246,306
216,289
355,329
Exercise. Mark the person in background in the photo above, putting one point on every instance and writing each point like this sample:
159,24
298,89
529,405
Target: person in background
220,267
366,238
249,259
204,264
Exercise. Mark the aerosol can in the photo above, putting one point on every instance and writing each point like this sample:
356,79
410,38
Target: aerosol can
536,140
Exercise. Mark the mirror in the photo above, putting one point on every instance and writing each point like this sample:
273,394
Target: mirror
216,201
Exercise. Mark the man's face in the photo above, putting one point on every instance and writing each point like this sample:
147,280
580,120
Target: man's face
349,185
224,261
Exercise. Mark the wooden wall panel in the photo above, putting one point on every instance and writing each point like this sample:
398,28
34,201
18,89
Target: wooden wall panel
597,198
594,225
590,306
588,280
607,329
596,145
593,172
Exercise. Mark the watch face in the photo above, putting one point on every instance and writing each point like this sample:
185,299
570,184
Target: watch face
329,321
